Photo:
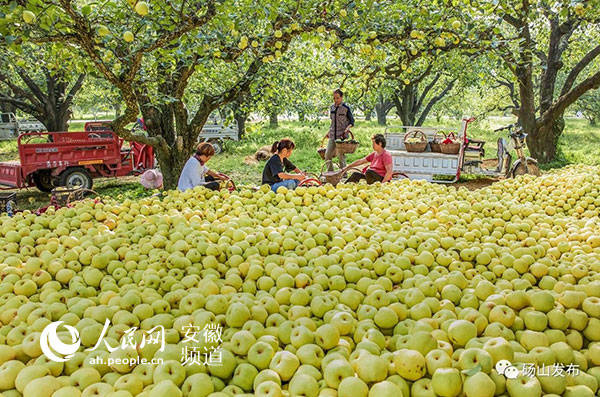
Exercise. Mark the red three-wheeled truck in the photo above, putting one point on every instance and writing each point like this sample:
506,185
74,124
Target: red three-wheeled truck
71,159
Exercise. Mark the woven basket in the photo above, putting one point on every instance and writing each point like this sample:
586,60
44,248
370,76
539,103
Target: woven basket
436,143
323,149
450,148
333,177
416,147
346,147
63,197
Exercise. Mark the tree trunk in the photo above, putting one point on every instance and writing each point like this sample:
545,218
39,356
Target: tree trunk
117,108
543,143
381,115
171,163
301,116
368,114
240,119
273,123
592,121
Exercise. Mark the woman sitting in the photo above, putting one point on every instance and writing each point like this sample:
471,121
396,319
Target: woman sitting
196,173
381,165
277,170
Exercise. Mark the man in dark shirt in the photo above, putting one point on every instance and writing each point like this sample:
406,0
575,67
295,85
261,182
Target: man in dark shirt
276,171
341,122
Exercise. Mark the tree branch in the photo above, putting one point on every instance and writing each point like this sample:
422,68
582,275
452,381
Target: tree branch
564,101
582,64
434,100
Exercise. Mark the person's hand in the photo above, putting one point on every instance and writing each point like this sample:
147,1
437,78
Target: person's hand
300,177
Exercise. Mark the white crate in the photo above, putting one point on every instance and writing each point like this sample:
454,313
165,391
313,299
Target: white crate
424,165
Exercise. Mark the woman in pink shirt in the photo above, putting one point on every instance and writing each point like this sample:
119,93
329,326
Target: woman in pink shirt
380,168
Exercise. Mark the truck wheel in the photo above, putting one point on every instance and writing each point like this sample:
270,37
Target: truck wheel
43,181
217,145
75,177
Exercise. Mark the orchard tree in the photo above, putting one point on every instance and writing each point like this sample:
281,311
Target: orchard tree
41,82
97,95
539,42
151,57
589,104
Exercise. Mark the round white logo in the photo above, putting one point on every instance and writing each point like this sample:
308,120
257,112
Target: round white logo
52,345
504,367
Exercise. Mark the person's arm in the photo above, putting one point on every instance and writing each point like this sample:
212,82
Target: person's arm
389,170
215,175
289,166
357,163
350,119
284,176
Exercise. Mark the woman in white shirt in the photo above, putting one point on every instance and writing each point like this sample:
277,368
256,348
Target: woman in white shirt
196,173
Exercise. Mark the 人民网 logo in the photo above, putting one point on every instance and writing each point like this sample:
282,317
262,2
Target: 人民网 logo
53,347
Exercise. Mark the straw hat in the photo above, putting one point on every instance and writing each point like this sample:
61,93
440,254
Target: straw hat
151,179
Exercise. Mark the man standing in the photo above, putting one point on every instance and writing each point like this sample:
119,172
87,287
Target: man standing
341,122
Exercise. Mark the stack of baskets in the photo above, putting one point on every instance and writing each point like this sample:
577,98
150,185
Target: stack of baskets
415,141
450,145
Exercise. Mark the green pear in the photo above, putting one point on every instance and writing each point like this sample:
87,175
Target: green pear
578,391
285,364
384,389
352,386
422,388
169,370
479,385
67,391
461,331
410,364
244,375
335,371
97,389
268,389
42,387
131,383
370,368
84,377
9,372
303,385
28,374
165,388
447,382
524,386
260,355
437,358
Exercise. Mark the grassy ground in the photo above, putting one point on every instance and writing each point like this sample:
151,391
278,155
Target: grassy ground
579,144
